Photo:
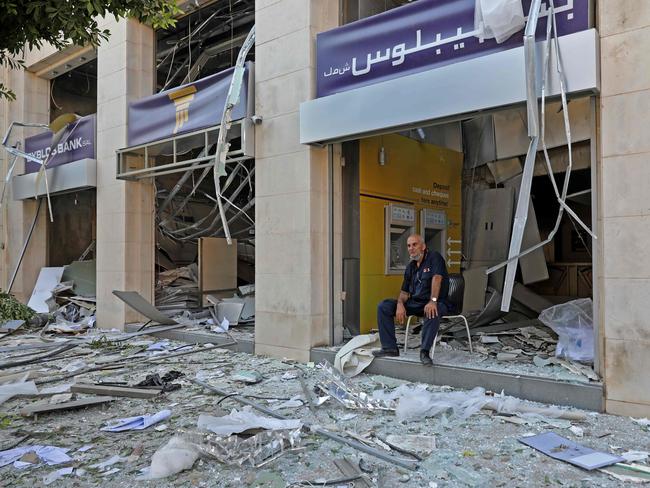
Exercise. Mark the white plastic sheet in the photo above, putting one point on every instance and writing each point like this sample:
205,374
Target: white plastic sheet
173,457
498,19
356,355
573,322
237,422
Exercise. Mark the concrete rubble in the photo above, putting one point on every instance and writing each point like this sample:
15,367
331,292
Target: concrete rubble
291,436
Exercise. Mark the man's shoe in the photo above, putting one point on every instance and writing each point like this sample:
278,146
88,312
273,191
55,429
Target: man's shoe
425,358
384,353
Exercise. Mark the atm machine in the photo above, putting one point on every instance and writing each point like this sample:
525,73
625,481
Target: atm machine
433,228
400,224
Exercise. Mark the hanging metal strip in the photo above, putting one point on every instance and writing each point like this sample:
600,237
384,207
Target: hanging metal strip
222,143
523,202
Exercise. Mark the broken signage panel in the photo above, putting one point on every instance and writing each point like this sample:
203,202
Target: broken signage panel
186,108
563,449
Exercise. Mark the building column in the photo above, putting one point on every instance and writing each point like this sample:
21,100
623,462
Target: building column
291,199
32,104
125,220
624,207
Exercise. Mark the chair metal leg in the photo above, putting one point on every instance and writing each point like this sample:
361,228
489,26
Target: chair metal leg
406,335
433,348
469,336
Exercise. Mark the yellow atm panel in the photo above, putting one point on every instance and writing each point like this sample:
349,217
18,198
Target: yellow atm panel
414,175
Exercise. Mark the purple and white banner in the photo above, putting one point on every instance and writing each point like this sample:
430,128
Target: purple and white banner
183,109
76,143
417,37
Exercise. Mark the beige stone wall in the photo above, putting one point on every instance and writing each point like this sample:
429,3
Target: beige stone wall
624,223
31,105
291,182
125,222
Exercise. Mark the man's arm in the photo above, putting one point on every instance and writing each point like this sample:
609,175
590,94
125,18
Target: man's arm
431,308
400,314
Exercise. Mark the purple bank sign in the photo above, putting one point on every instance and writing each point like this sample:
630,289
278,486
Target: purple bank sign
76,143
417,37
183,109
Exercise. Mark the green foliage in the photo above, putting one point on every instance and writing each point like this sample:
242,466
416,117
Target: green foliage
12,309
30,24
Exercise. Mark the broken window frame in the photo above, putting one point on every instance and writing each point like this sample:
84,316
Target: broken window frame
246,151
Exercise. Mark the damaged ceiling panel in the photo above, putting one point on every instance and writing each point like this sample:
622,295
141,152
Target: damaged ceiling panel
203,42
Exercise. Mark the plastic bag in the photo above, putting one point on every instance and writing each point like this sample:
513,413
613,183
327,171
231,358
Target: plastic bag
175,456
498,19
573,322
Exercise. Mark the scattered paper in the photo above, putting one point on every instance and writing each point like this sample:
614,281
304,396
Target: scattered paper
108,463
85,448
76,365
50,455
294,402
563,449
633,456
137,423
55,475
577,431
158,346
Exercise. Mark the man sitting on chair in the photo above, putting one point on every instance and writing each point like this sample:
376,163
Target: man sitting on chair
424,293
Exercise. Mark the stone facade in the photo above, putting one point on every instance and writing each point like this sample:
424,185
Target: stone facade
624,207
293,258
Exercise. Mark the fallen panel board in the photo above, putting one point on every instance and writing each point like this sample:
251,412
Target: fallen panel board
137,302
11,325
217,265
48,278
118,391
475,286
230,310
565,450
533,265
530,299
56,407
83,275
491,221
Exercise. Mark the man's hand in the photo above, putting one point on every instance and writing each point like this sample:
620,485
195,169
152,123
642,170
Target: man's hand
430,310
401,313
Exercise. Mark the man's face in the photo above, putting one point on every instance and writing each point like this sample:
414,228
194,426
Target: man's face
415,248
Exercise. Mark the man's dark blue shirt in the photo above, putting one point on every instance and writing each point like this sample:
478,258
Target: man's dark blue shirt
417,280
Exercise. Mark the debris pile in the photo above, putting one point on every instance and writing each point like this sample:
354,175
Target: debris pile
288,425
177,290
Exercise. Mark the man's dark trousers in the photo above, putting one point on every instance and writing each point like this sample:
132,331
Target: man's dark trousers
386,311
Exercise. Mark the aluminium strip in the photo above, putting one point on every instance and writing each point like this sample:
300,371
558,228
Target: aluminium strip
523,201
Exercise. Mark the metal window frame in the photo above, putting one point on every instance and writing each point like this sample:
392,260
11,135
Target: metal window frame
247,151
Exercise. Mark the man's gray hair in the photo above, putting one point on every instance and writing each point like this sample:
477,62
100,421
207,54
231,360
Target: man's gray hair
418,237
